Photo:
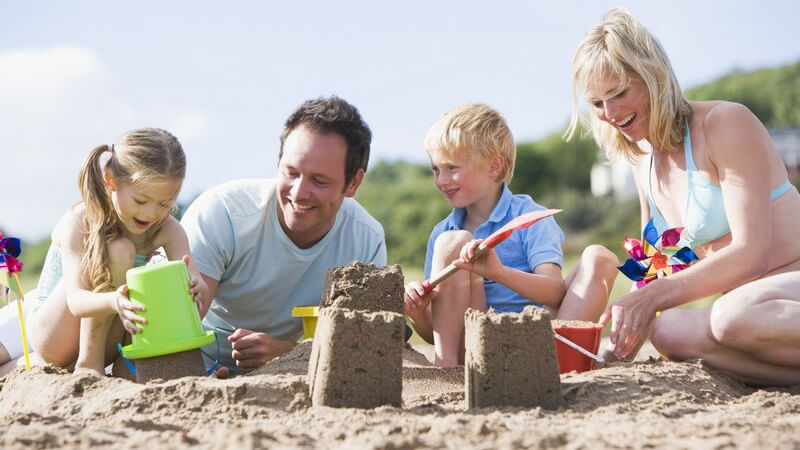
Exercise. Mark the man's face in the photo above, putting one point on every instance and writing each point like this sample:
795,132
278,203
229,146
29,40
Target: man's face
311,184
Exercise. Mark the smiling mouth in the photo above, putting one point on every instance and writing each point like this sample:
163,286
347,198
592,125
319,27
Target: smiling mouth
449,193
627,121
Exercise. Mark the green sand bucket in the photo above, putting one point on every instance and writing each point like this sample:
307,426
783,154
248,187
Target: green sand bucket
173,321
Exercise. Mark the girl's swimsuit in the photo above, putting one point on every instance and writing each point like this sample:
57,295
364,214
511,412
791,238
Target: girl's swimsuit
52,273
704,213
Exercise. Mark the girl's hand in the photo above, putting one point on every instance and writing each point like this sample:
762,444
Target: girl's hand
198,289
488,265
630,318
127,310
415,300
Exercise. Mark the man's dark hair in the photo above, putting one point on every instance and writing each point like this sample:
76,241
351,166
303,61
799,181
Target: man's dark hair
334,115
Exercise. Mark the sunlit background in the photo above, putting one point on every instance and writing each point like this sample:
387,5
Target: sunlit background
223,76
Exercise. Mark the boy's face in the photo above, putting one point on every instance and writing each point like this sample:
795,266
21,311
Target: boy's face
465,182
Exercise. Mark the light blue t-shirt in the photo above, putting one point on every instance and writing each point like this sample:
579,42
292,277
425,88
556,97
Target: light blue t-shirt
523,250
236,238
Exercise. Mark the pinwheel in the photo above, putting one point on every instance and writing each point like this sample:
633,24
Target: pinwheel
656,256
11,266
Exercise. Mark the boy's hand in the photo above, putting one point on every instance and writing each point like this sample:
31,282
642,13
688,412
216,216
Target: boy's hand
488,265
127,310
415,300
198,289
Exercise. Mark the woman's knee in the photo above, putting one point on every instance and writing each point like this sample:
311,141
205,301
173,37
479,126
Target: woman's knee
729,323
448,245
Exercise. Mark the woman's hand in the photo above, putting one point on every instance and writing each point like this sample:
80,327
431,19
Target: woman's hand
128,310
630,318
488,265
415,300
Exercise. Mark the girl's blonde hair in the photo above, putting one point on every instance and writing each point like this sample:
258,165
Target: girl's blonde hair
476,131
622,48
139,156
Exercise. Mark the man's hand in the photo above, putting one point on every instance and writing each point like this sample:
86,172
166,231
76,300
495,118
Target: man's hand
252,350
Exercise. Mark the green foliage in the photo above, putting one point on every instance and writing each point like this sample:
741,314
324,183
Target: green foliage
552,164
404,199
773,95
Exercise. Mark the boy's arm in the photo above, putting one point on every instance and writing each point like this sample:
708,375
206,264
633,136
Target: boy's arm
545,284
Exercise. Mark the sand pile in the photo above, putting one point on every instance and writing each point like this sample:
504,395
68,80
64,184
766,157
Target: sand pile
360,286
653,404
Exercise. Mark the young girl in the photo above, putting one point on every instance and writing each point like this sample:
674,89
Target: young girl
82,309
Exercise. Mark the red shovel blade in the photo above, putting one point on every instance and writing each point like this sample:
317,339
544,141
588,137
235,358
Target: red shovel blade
520,222
495,238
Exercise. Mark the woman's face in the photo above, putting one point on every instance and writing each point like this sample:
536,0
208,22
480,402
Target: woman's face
626,108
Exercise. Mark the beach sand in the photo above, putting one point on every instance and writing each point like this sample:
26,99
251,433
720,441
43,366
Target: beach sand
645,404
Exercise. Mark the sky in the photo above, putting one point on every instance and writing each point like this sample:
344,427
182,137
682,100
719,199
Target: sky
224,76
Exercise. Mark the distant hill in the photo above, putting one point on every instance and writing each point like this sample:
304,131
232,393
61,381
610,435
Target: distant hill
772,94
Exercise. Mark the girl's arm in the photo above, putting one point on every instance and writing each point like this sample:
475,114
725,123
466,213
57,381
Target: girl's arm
81,301
173,238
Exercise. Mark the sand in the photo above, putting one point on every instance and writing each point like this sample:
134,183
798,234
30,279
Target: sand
360,286
648,404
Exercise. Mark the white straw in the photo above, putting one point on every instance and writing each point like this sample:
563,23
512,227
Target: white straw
577,347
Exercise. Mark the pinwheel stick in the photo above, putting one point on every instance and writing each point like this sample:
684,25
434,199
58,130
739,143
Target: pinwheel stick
22,323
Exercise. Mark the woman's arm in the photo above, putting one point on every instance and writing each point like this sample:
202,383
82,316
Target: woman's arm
739,148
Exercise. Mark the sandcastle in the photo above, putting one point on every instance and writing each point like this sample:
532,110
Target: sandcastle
511,360
166,367
356,357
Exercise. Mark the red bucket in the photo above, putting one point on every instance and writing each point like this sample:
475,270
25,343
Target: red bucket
570,359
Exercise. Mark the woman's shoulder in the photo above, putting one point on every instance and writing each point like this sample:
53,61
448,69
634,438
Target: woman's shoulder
721,115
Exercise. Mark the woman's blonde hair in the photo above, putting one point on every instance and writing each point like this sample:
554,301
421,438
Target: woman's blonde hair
474,130
140,156
622,48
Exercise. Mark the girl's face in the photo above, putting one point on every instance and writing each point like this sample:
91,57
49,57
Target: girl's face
140,206
626,108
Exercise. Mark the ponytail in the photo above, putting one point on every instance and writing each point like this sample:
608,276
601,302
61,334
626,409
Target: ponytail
100,221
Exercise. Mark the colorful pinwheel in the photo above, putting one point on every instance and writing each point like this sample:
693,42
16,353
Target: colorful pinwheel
10,266
655,257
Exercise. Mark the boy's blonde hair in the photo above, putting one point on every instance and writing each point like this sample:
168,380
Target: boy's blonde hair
476,131
140,156
622,48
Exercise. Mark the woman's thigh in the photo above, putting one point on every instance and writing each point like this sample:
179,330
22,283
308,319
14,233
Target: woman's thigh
764,312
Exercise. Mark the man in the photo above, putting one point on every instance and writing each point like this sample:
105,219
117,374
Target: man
264,246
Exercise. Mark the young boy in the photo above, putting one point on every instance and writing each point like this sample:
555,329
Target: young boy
472,155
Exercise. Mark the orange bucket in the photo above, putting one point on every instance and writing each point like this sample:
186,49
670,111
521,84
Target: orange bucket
570,359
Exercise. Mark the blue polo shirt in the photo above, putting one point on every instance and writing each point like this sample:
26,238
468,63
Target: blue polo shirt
523,250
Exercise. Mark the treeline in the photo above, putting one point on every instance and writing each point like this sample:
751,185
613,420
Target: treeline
403,197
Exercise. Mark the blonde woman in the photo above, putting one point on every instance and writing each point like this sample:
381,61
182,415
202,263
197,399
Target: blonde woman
710,168
124,216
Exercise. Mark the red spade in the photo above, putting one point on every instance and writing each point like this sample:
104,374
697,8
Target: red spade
495,238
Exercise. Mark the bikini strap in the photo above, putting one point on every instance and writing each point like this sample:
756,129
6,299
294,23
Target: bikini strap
687,150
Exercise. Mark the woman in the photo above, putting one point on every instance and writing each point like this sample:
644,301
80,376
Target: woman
710,168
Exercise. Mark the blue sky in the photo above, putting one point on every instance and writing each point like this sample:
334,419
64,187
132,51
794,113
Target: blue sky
223,77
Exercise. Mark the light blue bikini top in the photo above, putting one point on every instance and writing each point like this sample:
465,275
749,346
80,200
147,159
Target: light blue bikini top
704,218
